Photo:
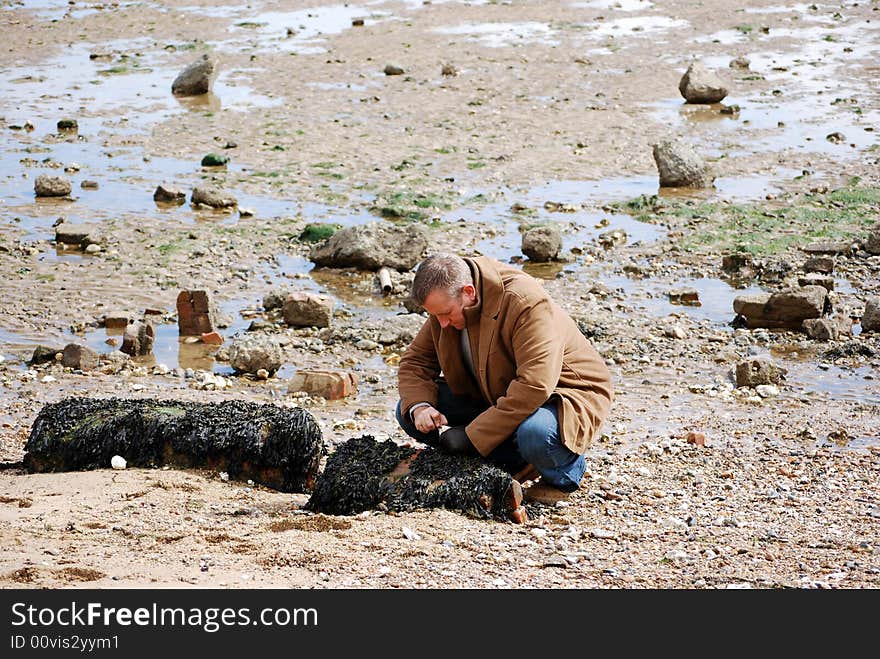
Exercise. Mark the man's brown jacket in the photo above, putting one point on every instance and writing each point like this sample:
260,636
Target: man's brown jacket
525,349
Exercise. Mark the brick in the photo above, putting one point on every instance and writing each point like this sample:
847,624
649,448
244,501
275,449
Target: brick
79,356
194,316
214,338
696,438
331,385
117,319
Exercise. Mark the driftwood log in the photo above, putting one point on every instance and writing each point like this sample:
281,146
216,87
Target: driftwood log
363,474
276,447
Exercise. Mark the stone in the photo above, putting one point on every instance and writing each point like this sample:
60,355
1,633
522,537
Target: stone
214,160
329,384
686,296
81,235
696,438
680,166
67,125
89,184
169,194
393,70
700,85
46,185
195,79
195,313
740,62
736,262
448,70
43,354
752,372
137,339
612,238
212,196
872,242
79,357
542,243
250,353
118,462
371,246
117,319
871,317
816,279
828,247
821,264
212,338
821,329
303,309
787,308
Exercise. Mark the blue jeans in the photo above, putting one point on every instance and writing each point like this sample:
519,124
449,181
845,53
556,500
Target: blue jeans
536,440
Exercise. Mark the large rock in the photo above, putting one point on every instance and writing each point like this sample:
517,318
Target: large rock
787,308
700,85
822,329
137,339
371,246
82,235
46,185
542,243
252,352
871,317
209,195
195,79
822,264
328,384
679,166
79,356
303,309
757,371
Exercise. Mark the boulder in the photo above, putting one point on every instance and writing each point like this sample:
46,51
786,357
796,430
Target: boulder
822,264
700,85
871,317
680,166
821,329
371,246
137,339
816,279
787,308
542,243
757,371
195,79
81,235
210,195
303,309
46,185
79,356
251,352
169,194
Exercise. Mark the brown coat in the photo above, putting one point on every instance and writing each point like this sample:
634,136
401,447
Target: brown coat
525,349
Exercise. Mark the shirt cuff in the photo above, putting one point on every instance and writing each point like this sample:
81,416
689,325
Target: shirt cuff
414,408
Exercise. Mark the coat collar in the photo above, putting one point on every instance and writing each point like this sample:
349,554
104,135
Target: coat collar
487,282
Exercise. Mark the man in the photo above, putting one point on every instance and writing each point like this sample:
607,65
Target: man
505,367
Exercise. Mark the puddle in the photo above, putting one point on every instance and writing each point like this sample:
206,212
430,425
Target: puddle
638,25
499,35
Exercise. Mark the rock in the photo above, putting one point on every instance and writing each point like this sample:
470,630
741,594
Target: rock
680,166
696,438
212,338
400,329
116,319
46,185
872,243
542,243
767,390
212,196
740,62
67,125
251,352
214,160
393,70
787,308
118,462
329,384
89,184
448,70
43,354
371,246
700,85
736,262
821,264
81,235
303,309
137,340
828,247
871,317
275,299
612,238
816,279
195,79
836,137
821,329
756,371
169,194
79,357
195,313
686,296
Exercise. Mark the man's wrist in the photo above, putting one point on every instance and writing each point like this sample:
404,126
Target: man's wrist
413,409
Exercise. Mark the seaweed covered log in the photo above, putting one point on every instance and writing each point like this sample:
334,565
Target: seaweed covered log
363,474
276,447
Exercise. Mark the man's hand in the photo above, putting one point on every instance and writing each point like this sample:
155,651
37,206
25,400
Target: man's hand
428,418
455,440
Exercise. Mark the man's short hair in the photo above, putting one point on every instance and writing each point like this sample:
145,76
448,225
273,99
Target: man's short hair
445,272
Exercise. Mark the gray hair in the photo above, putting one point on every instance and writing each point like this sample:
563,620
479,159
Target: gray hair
446,272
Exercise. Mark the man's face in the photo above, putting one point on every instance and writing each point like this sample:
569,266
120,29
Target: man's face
449,310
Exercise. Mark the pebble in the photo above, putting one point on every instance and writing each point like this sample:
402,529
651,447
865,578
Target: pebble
117,462
603,534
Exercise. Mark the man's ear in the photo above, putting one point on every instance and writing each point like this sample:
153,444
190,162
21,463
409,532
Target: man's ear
469,292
